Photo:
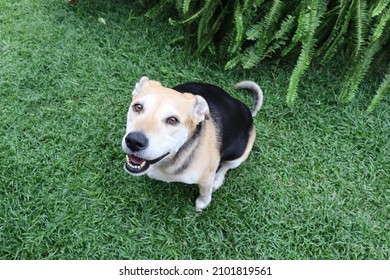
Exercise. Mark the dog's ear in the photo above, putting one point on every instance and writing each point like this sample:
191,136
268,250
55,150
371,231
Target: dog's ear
201,109
143,83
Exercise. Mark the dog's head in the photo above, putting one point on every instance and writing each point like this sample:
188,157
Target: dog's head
159,121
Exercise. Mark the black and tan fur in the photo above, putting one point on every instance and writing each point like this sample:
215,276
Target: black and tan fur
193,133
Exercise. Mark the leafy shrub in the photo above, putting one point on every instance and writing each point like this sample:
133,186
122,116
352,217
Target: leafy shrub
245,32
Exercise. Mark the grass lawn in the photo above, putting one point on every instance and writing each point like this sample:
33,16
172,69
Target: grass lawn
316,186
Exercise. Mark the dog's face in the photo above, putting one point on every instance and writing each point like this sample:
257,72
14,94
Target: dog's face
159,121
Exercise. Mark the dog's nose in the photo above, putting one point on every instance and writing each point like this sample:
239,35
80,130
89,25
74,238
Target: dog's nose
136,141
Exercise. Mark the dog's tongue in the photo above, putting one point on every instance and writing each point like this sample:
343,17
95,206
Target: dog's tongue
136,160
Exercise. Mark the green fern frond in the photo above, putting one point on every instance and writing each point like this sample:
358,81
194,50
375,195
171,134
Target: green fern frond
233,62
274,47
274,14
247,4
360,19
281,37
292,45
318,14
239,28
315,11
339,32
382,90
343,14
301,30
186,6
238,21
250,58
270,22
382,4
381,25
357,72
205,32
303,21
300,68
285,28
254,32
271,18
264,31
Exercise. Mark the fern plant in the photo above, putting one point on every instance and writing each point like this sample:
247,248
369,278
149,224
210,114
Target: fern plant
245,32
364,56
382,90
311,14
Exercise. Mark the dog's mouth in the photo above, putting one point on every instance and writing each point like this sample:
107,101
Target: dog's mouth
136,164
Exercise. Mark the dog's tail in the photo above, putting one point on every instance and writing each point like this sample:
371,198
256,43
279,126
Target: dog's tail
257,93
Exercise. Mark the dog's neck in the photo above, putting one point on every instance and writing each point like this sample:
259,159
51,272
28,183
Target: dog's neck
190,142
184,155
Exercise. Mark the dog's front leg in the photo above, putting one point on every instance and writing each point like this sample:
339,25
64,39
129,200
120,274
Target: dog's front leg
204,198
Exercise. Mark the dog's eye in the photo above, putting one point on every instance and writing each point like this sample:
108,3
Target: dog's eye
172,120
137,107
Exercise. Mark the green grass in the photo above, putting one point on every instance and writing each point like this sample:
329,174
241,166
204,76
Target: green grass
316,186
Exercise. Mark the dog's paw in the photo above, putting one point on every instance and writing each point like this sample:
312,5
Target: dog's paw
218,181
202,202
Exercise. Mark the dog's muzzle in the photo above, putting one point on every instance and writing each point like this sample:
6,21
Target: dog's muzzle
136,142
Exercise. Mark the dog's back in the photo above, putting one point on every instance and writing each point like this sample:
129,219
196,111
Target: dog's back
231,117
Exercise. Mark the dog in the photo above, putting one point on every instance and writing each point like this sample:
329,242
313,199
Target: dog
192,133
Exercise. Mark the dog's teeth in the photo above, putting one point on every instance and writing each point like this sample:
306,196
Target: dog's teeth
136,166
133,165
